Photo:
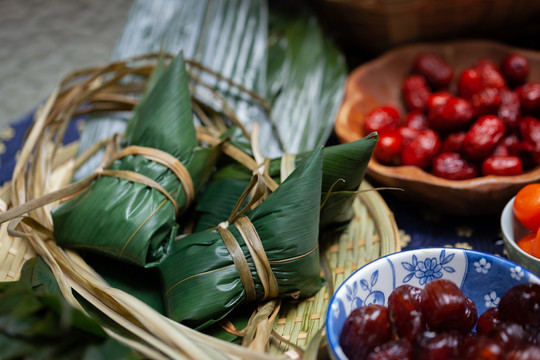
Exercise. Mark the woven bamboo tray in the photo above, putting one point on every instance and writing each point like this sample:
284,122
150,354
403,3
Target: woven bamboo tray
371,234
379,25
298,327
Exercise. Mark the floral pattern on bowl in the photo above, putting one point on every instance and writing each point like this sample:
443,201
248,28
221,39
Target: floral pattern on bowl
481,276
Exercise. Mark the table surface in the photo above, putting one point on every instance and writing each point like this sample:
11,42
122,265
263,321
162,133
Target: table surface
42,41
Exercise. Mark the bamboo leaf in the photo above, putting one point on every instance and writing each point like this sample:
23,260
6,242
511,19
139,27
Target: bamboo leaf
286,59
39,325
36,273
134,222
150,84
287,224
344,167
305,79
139,282
164,114
228,36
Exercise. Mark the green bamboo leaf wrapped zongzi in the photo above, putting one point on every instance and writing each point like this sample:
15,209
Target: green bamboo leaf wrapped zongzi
344,167
129,212
204,278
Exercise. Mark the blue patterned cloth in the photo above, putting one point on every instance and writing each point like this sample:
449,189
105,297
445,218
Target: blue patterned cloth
424,227
12,137
420,227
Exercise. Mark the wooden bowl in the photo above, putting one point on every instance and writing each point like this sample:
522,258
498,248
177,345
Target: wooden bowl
378,82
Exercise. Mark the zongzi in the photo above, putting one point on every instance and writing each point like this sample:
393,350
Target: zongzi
344,167
272,252
130,211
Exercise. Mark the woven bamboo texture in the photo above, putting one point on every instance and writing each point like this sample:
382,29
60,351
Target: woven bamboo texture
371,233
14,251
378,25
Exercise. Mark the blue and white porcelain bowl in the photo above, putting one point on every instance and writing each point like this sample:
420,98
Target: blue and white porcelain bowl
481,276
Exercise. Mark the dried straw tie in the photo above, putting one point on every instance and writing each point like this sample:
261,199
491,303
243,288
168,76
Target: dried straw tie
160,157
253,243
112,154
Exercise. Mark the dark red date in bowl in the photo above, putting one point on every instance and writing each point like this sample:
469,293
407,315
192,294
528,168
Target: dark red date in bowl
379,82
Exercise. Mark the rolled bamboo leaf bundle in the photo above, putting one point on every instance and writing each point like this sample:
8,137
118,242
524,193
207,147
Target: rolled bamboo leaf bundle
129,212
344,167
272,252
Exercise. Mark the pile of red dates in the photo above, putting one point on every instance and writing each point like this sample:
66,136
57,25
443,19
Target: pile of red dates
488,126
440,322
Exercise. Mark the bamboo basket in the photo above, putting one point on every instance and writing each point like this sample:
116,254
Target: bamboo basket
378,25
44,165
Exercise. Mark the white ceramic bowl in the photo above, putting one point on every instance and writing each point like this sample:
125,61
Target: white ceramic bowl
481,276
512,231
